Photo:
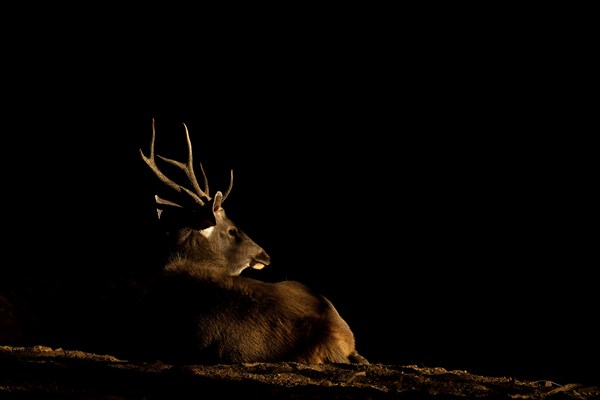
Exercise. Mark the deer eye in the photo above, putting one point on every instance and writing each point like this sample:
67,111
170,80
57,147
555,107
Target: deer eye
232,232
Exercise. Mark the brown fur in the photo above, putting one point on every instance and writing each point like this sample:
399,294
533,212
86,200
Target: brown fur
215,317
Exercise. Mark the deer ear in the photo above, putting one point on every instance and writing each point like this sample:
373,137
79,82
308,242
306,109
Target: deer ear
217,202
217,209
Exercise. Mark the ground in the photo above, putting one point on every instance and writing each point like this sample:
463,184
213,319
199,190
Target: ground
44,373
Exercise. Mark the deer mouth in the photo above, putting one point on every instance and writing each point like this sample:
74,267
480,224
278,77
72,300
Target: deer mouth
260,261
257,265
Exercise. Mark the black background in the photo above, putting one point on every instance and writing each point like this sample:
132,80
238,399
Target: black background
435,193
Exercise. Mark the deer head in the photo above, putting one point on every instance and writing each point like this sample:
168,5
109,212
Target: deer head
195,226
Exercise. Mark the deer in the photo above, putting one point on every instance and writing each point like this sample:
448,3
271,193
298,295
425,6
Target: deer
203,310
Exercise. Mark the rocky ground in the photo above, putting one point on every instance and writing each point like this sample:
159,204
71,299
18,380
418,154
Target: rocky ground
45,373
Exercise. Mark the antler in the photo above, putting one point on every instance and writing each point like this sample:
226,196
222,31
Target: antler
188,168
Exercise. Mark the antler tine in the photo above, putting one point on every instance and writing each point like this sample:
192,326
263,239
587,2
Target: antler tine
187,169
203,176
230,186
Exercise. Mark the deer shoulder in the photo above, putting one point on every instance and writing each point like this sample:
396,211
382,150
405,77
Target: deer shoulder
203,310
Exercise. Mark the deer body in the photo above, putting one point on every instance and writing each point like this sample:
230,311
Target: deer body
202,310
223,318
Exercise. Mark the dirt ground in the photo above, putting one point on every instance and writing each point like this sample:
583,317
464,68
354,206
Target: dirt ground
45,373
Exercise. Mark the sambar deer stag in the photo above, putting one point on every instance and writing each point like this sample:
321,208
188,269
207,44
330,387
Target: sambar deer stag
204,311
